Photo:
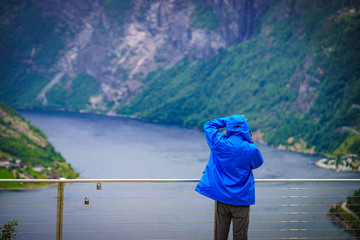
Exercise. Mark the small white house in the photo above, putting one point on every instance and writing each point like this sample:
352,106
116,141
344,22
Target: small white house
38,168
5,162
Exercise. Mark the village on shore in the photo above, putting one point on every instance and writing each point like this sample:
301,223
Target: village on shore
350,162
23,170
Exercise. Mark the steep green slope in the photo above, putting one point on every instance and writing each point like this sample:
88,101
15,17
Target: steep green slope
25,151
81,89
27,39
296,81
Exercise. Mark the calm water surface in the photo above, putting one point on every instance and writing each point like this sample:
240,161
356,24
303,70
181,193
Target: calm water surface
112,147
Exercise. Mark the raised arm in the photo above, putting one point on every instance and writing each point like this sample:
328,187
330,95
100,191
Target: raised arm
211,129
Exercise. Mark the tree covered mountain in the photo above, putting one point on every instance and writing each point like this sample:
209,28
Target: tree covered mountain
289,66
25,151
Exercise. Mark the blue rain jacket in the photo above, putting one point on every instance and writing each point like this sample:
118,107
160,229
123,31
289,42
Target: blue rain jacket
228,176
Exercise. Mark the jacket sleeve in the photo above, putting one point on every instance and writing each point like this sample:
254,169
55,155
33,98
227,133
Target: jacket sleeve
257,159
212,133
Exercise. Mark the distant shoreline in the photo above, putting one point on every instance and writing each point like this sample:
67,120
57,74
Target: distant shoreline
46,185
320,163
336,167
257,136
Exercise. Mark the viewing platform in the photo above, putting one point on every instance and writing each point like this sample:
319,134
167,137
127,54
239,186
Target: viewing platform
171,209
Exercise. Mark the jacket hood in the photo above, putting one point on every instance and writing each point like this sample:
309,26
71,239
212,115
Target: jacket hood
238,125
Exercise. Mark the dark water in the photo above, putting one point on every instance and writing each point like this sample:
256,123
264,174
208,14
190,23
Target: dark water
111,147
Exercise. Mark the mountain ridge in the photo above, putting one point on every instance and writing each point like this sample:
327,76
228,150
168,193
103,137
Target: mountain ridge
289,66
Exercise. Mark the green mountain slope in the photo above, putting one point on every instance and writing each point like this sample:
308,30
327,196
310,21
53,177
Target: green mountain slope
25,151
297,81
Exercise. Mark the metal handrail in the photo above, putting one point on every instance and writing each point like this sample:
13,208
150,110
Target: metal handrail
62,181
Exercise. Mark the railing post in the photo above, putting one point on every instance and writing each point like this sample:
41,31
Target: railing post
59,215
215,215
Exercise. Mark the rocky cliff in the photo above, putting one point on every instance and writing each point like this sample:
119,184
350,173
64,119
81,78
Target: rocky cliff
119,42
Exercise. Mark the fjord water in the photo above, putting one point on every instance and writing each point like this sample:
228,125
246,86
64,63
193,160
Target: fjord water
113,147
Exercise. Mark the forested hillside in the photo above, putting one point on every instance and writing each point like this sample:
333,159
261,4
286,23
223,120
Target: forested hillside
297,81
291,66
25,151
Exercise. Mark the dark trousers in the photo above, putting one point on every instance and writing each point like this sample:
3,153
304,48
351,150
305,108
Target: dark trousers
224,214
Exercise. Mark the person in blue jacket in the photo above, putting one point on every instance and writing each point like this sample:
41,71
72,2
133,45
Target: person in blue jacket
228,177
